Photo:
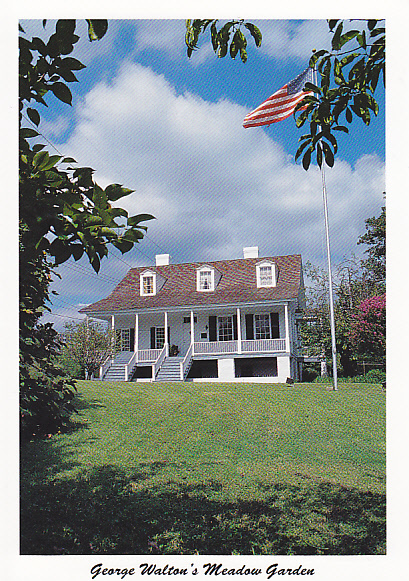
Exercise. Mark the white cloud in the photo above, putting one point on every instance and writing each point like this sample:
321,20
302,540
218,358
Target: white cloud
291,38
213,186
281,38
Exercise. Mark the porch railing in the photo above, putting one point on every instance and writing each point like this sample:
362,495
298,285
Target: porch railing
185,364
105,366
213,347
145,355
247,346
157,364
263,345
130,365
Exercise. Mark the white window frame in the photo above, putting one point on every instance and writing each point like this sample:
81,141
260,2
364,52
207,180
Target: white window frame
144,276
205,270
125,339
266,317
260,281
159,333
230,319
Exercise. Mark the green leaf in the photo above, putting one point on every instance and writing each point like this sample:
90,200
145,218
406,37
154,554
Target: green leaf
68,160
34,116
62,92
332,23
133,235
319,155
38,147
26,133
77,250
341,128
329,156
40,158
65,28
123,245
336,44
348,115
255,33
306,160
72,63
347,37
96,29
135,220
53,159
116,191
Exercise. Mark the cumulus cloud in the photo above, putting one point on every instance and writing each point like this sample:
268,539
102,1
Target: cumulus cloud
213,186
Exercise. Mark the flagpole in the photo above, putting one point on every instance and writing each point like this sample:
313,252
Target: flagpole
331,295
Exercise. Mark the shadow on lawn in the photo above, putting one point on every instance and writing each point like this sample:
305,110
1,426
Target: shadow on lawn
107,511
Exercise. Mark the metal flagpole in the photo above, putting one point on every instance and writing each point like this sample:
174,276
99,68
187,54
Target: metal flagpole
331,295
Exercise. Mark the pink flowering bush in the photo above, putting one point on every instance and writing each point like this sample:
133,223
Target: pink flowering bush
368,328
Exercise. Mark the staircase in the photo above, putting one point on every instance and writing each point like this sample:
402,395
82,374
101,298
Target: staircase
117,370
170,369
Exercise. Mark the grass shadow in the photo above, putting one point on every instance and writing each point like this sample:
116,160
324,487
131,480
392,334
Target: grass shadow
107,511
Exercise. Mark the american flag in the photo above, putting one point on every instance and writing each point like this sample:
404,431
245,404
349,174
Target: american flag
282,103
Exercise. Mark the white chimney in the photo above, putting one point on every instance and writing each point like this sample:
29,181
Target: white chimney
250,252
162,259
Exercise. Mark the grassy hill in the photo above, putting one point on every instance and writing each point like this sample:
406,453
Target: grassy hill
210,468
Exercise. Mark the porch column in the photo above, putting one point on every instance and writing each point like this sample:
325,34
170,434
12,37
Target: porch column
192,331
166,334
136,343
238,331
287,328
113,334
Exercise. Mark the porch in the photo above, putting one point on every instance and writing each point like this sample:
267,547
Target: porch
175,339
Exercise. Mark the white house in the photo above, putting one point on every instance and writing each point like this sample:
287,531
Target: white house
230,320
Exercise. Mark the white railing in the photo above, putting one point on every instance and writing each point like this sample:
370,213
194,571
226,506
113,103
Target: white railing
263,345
184,365
130,365
146,355
247,346
105,366
157,364
204,347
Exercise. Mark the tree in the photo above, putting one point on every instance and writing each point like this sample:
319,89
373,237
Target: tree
375,239
63,213
348,78
368,329
229,38
86,345
350,288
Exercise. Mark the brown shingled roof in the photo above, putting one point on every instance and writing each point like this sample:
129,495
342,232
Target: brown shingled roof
237,284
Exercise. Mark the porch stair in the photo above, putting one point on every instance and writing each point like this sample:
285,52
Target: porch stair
170,369
117,370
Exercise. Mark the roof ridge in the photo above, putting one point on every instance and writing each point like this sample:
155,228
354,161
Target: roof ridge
210,262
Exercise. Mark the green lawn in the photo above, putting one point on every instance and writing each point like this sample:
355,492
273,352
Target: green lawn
212,469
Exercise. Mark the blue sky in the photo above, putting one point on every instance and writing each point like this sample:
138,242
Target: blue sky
169,127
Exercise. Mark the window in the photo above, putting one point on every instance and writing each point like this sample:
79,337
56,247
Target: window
205,280
125,340
160,337
262,326
225,328
266,276
148,285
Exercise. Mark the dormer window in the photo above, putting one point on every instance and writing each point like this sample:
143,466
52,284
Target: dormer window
148,284
266,274
205,279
